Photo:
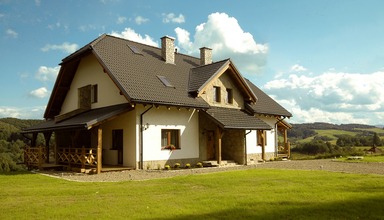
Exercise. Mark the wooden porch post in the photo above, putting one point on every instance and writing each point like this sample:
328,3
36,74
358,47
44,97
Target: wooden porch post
263,145
40,157
99,148
33,141
47,137
218,138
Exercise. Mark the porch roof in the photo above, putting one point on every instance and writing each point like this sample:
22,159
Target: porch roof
85,120
236,119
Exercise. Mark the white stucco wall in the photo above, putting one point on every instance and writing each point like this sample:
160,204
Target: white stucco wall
251,141
127,122
162,118
90,72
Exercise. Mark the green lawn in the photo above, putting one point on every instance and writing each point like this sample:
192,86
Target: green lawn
247,194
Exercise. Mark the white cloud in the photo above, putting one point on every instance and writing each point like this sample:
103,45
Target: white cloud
64,47
11,33
24,113
121,19
172,18
91,27
224,35
298,68
130,34
45,74
39,93
334,97
141,20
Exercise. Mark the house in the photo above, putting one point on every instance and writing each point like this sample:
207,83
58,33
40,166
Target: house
121,103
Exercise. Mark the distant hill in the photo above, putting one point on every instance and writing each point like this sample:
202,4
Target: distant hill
10,127
330,132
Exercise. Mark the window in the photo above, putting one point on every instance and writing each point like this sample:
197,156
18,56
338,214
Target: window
216,94
134,49
229,96
165,81
94,93
170,139
261,135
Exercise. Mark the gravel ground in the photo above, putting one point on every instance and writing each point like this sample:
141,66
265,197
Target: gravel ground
327,165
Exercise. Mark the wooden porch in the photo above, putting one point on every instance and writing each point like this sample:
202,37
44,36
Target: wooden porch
82,160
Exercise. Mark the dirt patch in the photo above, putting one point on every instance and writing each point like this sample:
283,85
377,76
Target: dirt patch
326,165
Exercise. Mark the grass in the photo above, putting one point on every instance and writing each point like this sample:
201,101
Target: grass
247,194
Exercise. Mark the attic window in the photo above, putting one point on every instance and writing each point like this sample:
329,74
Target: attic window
165,81
134,49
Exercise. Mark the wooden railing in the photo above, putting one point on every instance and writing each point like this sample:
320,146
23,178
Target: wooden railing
34,156
285,150
77,156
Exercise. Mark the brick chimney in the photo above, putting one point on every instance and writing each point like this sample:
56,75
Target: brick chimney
168,49
205,56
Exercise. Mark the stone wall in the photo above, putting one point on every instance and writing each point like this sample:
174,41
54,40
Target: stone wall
254,158
233,146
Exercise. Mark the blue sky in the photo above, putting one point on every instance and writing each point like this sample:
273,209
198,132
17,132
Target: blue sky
322,60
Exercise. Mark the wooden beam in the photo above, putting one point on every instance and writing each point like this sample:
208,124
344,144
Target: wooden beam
99,148
47,137
218,143
263,145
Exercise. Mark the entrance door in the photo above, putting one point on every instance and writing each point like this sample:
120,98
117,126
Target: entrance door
211,152
117,144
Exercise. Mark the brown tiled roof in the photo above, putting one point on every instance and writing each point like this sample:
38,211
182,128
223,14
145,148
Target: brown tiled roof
84,120
135,69
236,119
198,76
265,104
137,73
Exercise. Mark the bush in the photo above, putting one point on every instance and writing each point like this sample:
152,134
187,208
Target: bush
176,165
167,167
199,165
187,166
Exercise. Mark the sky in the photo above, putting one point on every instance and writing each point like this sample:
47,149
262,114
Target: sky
321,60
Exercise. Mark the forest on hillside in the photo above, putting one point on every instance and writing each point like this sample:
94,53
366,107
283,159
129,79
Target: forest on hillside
335,140
12,142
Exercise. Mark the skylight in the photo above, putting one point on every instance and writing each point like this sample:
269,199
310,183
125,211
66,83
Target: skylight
134,49
165,81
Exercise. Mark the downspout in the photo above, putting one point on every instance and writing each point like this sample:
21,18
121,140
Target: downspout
141,138
276,136
245,147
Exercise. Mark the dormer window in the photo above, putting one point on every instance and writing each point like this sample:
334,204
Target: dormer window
217,94
229,96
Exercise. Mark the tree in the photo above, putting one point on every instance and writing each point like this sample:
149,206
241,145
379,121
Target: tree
376,140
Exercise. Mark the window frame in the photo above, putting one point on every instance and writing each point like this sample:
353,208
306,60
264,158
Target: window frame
171,135
229,96
217,94
94,93
260,135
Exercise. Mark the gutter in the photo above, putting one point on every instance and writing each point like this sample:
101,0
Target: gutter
141,160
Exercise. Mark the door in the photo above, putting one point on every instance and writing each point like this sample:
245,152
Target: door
117,144
211,152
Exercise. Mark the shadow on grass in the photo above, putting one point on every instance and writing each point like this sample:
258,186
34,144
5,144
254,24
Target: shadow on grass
14,173
370,208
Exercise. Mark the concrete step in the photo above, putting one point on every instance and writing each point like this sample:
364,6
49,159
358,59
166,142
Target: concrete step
213,163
